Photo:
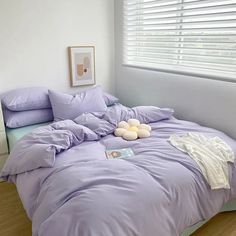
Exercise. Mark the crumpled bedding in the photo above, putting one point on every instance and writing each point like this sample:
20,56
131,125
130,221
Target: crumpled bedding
69,187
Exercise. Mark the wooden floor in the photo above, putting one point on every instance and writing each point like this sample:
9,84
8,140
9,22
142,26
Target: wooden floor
14,222
224,224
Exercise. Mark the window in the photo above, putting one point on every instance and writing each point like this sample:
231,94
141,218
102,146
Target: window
186,36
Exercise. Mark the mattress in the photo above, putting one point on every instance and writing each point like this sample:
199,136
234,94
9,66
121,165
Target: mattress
13,135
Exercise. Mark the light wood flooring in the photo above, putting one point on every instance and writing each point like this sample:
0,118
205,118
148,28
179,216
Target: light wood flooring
14,222
223,224
13,219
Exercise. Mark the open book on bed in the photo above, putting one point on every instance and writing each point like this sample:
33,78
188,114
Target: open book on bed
119,153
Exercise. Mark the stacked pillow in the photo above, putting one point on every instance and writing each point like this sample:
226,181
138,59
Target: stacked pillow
27,106
30,106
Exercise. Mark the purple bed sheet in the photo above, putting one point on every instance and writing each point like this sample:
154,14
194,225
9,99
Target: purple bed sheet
69,187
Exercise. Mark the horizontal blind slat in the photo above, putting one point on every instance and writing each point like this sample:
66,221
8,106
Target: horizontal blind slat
135,2
186,36
183,44
137,42
143,19
178,48
201,23
176,4
217,65
182,30
153,1
175,54
226,8
179,7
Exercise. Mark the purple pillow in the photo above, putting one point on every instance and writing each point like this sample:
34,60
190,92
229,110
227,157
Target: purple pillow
17,119
110,99
66,106
24,99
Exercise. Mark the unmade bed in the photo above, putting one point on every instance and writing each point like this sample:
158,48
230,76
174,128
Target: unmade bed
69,187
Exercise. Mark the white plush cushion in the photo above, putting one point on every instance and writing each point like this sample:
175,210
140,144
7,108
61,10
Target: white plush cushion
143,133
130,135
133,122
123,124
144,126
119,132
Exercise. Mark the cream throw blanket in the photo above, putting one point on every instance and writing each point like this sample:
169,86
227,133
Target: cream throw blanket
211,154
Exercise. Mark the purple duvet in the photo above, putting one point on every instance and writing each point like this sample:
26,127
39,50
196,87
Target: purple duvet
69,188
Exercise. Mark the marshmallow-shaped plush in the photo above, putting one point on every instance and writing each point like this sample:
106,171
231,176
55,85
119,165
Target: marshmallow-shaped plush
123,124
143,133
130,135
133,122
132,130
119,132
146,127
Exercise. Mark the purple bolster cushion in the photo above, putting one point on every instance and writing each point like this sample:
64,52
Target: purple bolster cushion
24,99
17,119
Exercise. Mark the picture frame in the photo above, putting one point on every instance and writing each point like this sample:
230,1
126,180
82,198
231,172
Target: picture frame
82,65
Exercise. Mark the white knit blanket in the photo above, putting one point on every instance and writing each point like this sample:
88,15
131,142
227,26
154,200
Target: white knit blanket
211,154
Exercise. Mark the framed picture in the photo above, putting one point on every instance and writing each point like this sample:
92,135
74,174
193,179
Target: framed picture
82,65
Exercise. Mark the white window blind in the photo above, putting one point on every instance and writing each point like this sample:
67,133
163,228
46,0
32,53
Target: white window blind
195,36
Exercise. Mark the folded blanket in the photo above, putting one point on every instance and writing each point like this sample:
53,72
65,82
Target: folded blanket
211,154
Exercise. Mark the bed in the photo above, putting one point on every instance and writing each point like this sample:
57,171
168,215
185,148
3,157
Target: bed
158,191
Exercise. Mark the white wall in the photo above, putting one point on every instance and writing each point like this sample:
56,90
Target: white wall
34,36
208,102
